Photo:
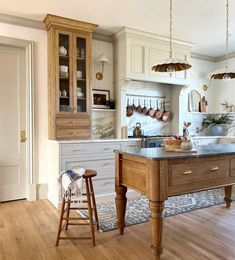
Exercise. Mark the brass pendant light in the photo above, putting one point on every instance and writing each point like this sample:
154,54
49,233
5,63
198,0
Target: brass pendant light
171,64
226,73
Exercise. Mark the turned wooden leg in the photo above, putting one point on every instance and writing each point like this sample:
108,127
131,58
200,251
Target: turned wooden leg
156,221
228,195
120,201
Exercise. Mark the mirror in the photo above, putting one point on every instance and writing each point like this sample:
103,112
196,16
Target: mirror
193,101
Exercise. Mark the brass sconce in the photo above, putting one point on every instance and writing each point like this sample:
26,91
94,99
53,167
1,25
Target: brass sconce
101,59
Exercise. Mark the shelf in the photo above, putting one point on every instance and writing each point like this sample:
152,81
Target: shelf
64,78
81,98
65,97
64,56
81,79
104,109
82,59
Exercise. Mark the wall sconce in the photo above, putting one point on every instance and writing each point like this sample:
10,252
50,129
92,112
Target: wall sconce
101,59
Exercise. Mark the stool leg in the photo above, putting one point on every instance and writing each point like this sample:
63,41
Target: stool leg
90,211
94,203
68,209
60,222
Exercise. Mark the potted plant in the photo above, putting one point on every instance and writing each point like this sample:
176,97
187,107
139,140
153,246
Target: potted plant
216,124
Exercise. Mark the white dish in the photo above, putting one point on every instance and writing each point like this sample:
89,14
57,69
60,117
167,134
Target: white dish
64,68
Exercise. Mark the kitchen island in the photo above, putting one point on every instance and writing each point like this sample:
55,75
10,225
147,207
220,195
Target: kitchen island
159,175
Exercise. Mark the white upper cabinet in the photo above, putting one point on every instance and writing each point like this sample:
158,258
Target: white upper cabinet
136,52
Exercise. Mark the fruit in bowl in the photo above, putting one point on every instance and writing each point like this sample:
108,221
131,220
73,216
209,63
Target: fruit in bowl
173,142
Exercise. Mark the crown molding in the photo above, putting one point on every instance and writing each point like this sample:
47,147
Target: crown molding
102,37
223,57
21,21
203,57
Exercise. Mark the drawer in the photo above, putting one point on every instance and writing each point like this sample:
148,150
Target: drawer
233,167
136,144
72,133
102,187
104,168
199,172
89,148
72,122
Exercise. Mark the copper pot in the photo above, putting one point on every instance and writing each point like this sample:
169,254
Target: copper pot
158,112
129,110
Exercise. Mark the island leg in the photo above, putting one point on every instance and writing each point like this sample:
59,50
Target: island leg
120,201
156,221
228,195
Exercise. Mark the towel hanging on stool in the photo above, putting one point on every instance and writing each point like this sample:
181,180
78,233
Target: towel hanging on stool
72,179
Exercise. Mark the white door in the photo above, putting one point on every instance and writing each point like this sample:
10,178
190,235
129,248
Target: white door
12,123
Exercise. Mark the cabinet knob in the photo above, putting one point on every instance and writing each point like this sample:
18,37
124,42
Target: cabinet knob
187,172
213,169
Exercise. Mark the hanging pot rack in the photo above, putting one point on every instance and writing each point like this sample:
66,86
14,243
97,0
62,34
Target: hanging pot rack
144,96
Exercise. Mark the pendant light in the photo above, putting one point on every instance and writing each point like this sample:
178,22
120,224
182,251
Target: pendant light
226,73
171,64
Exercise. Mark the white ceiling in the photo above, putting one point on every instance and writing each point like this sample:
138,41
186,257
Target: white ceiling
201,22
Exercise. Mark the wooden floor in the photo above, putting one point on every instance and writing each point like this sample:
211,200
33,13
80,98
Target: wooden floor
28,231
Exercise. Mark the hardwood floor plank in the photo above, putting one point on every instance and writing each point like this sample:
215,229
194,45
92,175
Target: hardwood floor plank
28,231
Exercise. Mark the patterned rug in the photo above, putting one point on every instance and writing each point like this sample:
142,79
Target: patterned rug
137,210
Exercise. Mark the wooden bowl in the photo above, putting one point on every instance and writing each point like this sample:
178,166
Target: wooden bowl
172,143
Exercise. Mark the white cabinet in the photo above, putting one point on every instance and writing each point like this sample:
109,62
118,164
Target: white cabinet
95,155
136,52
227,140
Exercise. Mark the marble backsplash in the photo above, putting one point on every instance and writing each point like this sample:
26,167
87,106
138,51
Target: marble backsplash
103,124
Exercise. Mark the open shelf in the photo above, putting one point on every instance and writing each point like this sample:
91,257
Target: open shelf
104,109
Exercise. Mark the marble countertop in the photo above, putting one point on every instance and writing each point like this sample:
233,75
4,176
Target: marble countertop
97,141
160,154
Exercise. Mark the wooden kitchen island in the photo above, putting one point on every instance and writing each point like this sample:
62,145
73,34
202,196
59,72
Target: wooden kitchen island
159,175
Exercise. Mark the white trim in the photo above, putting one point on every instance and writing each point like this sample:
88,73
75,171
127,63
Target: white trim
21,21
28,46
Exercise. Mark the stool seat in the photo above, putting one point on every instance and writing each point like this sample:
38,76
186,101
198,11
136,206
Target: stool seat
89,173
91,207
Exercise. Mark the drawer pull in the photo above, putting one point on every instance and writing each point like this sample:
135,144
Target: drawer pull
186,172
72,122
106,149
76,151
107,183
213,169
106,164
74,133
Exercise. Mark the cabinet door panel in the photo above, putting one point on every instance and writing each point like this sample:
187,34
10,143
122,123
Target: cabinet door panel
137,58
155,56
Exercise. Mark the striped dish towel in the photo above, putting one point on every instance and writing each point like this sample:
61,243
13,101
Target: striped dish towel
72,179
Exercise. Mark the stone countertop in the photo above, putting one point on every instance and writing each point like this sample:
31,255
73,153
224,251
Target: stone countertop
211,136
95,141
160,154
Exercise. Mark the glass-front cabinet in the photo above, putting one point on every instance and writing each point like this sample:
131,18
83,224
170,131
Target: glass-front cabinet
69,66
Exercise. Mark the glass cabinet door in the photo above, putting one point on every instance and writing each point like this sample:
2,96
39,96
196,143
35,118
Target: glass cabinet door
81,74
64,82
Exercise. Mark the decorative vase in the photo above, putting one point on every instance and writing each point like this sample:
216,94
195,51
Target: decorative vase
186,145
217,130
62,51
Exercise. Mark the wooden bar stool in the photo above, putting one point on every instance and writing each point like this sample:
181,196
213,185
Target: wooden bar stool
91,208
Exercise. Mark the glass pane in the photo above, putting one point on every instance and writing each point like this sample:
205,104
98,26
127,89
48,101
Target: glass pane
81,74
64,81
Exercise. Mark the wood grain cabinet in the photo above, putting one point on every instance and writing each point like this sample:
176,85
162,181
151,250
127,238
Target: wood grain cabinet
69,77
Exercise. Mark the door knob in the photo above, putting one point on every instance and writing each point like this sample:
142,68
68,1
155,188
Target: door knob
22,136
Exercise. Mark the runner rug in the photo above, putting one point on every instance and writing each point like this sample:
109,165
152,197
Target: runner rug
137,210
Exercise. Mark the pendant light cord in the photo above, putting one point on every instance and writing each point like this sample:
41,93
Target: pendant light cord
170,29
227,33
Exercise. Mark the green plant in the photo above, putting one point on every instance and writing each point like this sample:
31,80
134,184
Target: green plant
213,119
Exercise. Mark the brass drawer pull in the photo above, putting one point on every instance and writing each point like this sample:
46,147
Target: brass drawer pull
74,133
106,164
76,151
213,169
186,172
72,122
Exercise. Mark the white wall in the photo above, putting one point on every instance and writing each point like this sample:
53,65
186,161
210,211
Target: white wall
40,93
223,90
106,83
